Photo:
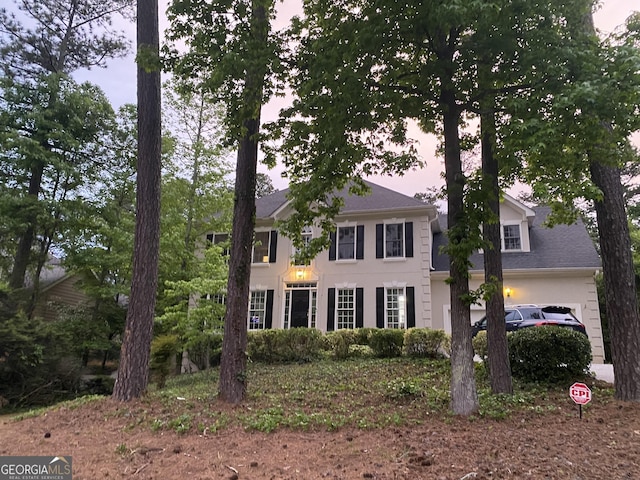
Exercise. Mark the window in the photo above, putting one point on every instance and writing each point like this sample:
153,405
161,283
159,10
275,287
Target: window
511,237
257,310
395,308
221,239
345,308
393,240
261,247
307,235
346,243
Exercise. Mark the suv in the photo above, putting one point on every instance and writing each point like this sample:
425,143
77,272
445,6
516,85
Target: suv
524,316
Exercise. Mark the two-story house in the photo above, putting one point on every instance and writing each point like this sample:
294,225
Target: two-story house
385,268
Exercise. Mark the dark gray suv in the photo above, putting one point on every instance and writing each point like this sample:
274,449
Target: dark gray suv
524,316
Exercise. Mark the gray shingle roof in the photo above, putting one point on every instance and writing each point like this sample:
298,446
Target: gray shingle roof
563,246
380,198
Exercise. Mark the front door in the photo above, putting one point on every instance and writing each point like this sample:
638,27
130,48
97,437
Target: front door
299,308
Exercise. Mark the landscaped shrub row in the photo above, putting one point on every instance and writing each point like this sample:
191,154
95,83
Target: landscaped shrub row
543,354
306,344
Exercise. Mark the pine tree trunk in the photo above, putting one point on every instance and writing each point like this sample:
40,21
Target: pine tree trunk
233,362
619,281
133,372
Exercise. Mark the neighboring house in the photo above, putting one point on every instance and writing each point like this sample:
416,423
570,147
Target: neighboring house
57,286
384,267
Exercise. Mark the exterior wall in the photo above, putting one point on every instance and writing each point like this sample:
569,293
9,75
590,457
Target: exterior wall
63,292
368,273
576,290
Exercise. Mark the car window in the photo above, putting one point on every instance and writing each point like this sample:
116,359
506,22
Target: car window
512,316
533,313
559,316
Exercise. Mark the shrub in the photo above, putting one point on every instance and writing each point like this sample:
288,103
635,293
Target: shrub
480,345
291,345
363,335
387,342
340,342
425,342
163,354
548,354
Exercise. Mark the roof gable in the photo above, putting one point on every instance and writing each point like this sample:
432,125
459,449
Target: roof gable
378,199
561,246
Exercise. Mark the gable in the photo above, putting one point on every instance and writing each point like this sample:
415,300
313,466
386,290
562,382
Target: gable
562,246
379,200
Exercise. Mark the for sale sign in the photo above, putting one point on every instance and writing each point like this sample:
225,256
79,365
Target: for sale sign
580,393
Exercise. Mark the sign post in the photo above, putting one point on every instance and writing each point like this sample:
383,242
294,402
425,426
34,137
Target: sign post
580,394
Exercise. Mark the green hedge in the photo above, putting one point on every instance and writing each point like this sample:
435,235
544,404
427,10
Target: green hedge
290,345
426,342
548,354
387,343
340,341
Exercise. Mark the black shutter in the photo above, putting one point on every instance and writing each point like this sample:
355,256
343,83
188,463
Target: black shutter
359,307
411,307
332,247
380,307
268,316
209,238
331,310
273,245
359,242
408,239
379,240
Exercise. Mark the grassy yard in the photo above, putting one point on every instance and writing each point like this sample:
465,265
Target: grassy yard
327,395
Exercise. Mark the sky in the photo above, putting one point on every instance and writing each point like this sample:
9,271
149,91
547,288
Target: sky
118,81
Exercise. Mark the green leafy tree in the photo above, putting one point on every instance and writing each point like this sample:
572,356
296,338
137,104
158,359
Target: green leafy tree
364,70
578,153
232,54
58,38
53,134
197,199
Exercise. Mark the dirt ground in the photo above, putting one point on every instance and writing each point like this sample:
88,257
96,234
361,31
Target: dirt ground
605,444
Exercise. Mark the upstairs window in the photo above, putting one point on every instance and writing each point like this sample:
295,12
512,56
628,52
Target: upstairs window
221,239
394,240
307,235
264,247
511,239
346,243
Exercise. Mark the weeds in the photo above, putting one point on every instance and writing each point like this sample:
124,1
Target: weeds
365,393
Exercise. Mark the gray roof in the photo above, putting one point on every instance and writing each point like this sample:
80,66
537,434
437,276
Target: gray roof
379,198
562,246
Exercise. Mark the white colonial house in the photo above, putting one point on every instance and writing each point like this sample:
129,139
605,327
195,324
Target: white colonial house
385,268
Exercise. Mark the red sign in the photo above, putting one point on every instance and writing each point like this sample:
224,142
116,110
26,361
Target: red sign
580,393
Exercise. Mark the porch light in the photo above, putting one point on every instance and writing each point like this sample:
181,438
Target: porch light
299,274
508,291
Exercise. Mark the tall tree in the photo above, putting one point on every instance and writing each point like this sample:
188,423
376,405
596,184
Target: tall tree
67,35
234,56
615,246
62,127
133,371
578,152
